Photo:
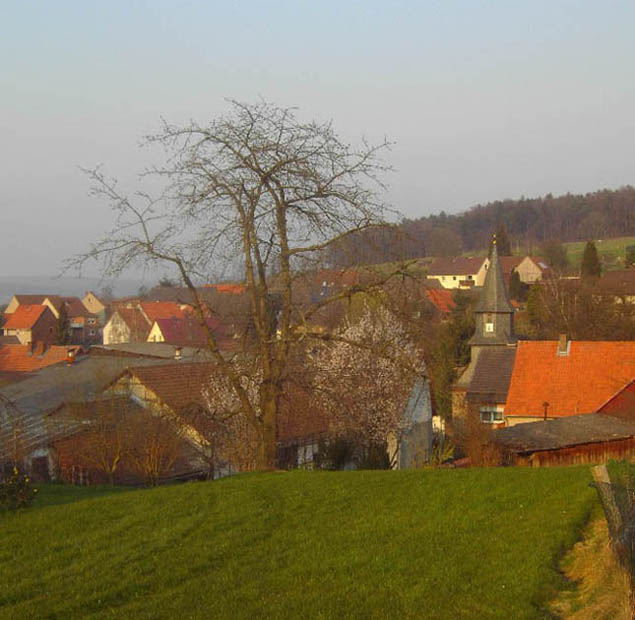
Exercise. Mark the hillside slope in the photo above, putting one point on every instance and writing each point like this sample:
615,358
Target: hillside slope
433,544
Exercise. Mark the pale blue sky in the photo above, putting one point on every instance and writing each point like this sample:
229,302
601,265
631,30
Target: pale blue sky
484,100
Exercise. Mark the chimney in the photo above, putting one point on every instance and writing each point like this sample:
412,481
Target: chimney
563,345
178,353
70,357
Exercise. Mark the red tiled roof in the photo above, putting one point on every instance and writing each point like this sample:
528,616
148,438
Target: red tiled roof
20,358
25,316
185,330
163,310
455,265
441,299
228,287
578,382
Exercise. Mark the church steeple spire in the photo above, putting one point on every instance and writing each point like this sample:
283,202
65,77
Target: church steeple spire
494,312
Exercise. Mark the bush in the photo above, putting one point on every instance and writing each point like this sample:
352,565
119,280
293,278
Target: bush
16,491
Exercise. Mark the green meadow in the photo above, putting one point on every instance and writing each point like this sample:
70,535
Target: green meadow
478,543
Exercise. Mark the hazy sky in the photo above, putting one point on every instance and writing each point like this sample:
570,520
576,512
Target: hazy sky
485,100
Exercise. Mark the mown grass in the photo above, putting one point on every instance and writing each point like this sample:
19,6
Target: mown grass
480,543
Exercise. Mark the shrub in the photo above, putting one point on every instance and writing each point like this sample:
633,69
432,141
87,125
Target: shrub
16,491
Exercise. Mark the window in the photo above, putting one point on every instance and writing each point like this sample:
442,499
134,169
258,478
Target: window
492,414
454,277
489,323
92,332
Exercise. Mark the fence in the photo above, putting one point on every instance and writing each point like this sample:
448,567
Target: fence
618,500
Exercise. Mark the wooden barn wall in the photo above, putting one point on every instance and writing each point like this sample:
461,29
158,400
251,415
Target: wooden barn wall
601,452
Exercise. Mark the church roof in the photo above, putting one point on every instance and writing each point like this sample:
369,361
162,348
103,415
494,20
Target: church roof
493,373
494,297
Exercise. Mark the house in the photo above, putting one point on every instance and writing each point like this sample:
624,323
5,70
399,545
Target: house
181,389
530,268
84,326
573,440
620,284
25,407
555,379
621,404
126,325
133,321
24,300
458,271
183,331
441,299
414,445
31,324
95,306
18,358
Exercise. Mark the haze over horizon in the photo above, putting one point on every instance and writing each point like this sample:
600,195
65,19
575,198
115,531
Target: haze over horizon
483,101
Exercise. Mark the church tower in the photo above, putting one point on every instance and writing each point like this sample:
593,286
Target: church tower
494,313
492,350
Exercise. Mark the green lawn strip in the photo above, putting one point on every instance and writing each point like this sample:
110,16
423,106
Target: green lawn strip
439,543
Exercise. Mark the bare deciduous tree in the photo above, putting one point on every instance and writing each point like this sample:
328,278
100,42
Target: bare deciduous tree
259,187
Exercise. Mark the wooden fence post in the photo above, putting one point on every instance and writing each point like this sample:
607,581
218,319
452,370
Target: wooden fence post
611,509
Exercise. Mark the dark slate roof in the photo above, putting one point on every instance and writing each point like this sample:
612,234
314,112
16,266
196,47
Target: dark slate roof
493,373
28,402
564,432
494,297
158,350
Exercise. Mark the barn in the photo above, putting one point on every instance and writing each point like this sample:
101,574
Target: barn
574,440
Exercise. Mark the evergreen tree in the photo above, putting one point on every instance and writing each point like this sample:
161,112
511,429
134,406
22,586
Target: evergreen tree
503,244
536,312
515,286
62,327
590,262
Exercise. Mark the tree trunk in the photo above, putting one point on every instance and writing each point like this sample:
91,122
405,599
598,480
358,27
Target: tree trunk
267,448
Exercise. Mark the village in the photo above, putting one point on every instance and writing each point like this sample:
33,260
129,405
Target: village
92,388
317,310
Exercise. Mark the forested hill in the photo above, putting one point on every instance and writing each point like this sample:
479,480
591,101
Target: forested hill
529,222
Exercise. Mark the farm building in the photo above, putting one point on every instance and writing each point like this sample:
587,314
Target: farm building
574,440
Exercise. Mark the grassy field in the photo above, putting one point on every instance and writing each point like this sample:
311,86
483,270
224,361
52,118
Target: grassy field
425,544
611,251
